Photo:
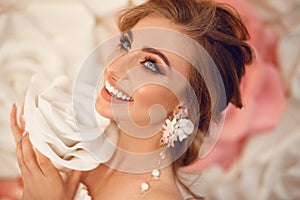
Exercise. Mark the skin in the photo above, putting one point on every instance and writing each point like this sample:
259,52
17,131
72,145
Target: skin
41,178
143,99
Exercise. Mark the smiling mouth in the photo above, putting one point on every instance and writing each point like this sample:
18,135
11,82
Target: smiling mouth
116,93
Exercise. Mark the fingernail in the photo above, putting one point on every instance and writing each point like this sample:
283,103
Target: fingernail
14,104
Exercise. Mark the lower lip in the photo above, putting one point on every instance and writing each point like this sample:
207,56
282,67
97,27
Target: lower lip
108,97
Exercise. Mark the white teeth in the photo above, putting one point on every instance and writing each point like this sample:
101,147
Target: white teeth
115,92
119,95
111,89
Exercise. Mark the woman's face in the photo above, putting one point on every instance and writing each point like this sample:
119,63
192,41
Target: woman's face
135,66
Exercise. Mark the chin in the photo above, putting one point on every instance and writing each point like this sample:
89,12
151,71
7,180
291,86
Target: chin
104,111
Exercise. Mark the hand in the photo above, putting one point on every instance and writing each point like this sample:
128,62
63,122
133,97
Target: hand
41,179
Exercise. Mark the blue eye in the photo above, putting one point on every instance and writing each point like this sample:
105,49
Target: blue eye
151,64
125,43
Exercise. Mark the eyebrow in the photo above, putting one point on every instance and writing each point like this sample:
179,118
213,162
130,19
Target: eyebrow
156,52
148,49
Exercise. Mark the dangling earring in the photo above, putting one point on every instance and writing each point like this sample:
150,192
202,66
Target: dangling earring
145,186
179,128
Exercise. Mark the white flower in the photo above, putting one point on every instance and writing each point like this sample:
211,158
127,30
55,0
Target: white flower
32,40
168,136
187,125
181,134
176,129
24,51
52,127
185,128
105,8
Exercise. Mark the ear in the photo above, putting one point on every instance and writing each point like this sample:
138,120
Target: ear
177,109
174,112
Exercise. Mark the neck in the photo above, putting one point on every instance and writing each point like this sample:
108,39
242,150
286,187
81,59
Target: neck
138,155
134,144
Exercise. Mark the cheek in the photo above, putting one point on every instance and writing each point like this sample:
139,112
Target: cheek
147,97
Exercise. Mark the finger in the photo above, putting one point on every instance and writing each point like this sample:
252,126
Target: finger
46,166
29,157
17,132
21,119
21,163
72,182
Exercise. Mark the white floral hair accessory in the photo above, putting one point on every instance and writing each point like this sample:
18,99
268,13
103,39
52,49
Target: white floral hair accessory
178,129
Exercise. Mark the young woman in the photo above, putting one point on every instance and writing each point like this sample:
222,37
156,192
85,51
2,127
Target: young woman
221,33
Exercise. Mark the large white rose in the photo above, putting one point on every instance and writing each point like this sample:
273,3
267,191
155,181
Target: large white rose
53,130
37,36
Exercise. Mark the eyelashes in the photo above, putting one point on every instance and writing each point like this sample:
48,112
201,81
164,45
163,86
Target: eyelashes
148,62
151,64
125,43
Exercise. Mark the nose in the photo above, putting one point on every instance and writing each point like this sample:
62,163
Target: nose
118,68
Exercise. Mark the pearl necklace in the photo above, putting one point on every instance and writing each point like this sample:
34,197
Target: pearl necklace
145,186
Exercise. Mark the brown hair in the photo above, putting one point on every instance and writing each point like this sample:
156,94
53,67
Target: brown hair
221,32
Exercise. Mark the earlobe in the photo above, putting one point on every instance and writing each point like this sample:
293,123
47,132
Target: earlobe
177,109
